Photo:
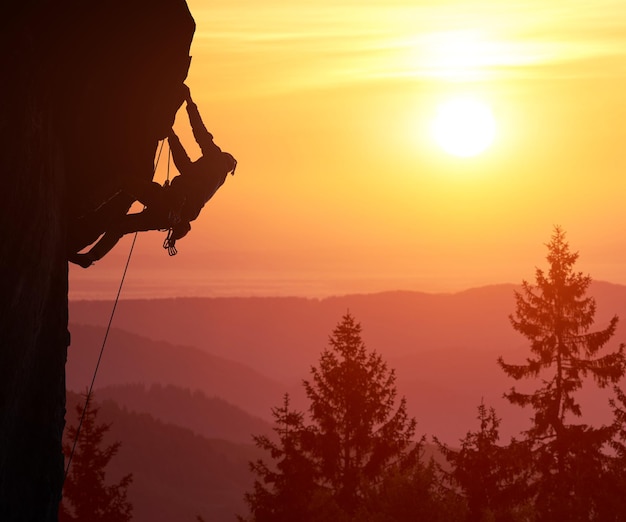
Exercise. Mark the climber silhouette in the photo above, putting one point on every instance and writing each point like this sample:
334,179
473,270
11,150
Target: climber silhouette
173,206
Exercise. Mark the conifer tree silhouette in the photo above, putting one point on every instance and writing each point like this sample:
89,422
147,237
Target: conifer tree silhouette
359,426
86,496
488,474
556,315
356,459
614,483
283,491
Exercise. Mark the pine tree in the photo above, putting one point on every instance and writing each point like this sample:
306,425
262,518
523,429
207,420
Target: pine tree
556,315
359,428
359,438
283,492
413,493
613,507
86,497
490,476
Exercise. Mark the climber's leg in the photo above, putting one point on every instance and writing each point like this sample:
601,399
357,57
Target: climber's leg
130,223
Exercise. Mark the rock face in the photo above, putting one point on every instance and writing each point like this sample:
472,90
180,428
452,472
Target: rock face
88,90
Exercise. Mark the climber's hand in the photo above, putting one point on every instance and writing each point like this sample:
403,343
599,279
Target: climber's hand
187,93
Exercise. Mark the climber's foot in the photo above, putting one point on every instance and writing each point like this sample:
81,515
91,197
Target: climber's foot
83,260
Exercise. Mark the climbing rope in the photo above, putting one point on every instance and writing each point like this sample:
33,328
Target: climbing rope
169,160
156,163
106,335
93,379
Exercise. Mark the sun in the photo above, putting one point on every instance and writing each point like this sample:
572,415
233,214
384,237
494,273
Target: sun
464,126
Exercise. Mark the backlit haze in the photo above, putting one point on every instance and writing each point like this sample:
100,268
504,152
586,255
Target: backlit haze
341,187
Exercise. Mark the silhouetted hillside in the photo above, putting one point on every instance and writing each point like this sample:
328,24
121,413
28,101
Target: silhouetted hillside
210,417
177,474
130,358
444,347
276,336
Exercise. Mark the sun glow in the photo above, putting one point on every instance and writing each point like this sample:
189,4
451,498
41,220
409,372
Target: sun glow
464,126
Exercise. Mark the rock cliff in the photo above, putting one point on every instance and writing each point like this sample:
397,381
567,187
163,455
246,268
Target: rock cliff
88,90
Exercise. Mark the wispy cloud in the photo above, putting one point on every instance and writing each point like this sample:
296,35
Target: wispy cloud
304,44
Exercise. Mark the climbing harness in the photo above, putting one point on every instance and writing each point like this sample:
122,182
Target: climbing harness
106,335
169,243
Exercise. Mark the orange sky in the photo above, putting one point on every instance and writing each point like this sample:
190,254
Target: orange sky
340,187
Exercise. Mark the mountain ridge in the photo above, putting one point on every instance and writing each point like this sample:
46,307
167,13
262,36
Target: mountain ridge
132,359
443,347
210,417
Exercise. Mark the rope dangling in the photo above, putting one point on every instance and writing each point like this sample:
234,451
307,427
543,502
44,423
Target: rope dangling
169,160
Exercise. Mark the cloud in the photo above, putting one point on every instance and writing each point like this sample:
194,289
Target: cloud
280,48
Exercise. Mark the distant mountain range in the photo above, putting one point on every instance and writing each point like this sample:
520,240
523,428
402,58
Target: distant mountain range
250,351
280,337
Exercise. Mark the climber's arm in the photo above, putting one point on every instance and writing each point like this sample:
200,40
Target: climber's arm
203,137
179,155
